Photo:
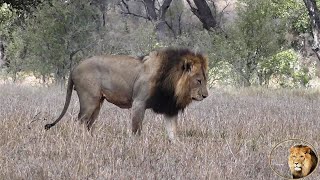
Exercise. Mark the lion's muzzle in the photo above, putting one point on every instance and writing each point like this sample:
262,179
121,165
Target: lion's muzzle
205,93
297,167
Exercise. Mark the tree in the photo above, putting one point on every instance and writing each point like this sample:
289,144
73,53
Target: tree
10,22
5,17
285,68
102,5
16,52
203,12
53,37
22,5
174,17
255,36
157,15
2,61
314,16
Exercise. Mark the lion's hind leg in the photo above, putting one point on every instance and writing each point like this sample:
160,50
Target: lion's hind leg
89,108
95,114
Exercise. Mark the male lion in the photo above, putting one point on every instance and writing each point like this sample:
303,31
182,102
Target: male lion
302,161
165,81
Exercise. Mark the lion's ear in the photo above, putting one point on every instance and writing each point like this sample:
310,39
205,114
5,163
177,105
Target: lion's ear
153,53
308,150
291,149
187,66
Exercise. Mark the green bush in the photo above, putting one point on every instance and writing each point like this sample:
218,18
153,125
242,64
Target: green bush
284,69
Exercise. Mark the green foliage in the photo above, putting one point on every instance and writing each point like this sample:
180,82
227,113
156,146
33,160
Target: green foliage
255,35
285,69
295,12
285,8
123,40
7,21
22,5
174,16
251,49
55,36
5,14
16,53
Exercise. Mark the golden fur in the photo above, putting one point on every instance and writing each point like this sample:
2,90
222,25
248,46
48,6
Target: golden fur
165,81
302,161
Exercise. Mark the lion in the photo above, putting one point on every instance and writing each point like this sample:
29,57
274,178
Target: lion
302,161
165,81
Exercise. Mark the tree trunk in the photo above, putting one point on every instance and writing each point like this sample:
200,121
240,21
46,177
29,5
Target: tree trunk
156,16
2,59
159,19
59,77
313,12
161,30
102,5
203,12
246,79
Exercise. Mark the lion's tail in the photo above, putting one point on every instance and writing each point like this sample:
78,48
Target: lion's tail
66,104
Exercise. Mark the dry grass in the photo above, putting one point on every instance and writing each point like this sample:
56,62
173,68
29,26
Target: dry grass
227,136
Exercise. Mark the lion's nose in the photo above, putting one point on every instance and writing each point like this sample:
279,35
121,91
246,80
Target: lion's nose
296,163
204,93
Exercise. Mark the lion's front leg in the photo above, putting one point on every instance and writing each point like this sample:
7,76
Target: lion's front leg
138,110
171,126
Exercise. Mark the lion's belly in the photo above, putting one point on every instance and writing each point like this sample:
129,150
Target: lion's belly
117,98
117,88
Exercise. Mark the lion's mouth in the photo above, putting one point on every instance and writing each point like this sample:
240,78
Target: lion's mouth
297,168
197,98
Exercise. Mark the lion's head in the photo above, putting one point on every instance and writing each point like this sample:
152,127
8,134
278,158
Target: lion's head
302,161
181,78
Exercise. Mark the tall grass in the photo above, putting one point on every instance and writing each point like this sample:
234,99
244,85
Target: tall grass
229,135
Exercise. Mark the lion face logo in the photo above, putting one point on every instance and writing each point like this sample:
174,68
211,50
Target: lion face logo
302,161
298,159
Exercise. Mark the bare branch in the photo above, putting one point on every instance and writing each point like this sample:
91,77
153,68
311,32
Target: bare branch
171,29
164,8
222,11
158,5
193,9
136,15
227,5
123,4
151,9
179,23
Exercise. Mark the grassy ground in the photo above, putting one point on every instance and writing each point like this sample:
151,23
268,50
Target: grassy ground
227,136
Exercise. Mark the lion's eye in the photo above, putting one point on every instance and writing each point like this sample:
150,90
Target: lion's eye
199,81
301,156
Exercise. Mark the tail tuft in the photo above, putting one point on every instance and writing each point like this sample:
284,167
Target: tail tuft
48,126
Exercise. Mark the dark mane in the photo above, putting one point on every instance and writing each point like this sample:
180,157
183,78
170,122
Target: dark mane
163,99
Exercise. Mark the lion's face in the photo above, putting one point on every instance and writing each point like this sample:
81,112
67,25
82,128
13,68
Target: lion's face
198,83
192,84
297,158
300,160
